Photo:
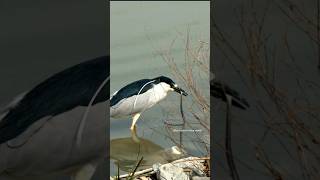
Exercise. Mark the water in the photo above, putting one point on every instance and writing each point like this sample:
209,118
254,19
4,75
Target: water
137,31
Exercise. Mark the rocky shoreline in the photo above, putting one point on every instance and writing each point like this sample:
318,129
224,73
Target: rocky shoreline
190,168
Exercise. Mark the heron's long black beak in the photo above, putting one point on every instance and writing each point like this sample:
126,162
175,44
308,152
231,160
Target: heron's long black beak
180,91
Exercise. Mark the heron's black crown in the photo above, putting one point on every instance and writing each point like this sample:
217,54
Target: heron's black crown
166,80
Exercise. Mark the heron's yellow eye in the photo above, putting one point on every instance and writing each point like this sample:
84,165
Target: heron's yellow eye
175,85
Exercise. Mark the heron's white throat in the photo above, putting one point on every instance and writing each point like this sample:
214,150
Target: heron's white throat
160,91
165,87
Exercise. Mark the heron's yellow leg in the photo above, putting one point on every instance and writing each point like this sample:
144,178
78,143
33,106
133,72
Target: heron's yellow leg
134,136
134,121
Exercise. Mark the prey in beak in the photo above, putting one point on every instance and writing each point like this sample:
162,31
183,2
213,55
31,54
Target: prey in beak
179,90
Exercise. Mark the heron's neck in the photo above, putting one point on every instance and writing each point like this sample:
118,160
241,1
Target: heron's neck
165,87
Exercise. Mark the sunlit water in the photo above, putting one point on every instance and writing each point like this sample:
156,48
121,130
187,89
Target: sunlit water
138,30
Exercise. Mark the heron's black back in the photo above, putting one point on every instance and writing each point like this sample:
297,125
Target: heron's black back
61,92
131,90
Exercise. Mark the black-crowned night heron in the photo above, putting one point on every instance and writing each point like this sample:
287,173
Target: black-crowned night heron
40,128
138,96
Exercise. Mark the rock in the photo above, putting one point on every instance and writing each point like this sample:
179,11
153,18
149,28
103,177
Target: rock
170,171
181,169
200,178
156,167
192,163
144,178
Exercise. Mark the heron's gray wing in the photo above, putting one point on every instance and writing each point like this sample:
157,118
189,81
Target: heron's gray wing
51,150
27,134
131,105
4,111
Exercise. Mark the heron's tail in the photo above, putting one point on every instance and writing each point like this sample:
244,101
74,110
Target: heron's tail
221,91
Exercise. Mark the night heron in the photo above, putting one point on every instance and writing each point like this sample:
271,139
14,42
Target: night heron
40,129
138,96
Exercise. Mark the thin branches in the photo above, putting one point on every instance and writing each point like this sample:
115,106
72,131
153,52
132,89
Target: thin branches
283,93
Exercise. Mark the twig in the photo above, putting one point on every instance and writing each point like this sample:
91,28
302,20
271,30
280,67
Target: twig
131,175
149,170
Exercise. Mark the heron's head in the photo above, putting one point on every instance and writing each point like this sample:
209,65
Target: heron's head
170,84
